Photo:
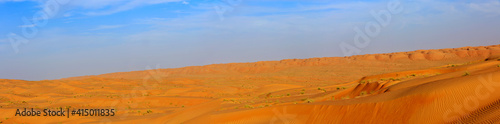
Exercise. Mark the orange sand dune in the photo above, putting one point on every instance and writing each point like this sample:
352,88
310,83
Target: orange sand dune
457,85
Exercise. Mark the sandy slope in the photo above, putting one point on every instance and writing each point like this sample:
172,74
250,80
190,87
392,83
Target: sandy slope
424,86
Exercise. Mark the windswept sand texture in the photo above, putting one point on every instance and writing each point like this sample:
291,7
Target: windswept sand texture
459,85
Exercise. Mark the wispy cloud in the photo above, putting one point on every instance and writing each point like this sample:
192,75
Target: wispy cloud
492,6
102,7
3,40
106,7
12,0
27,26
104,27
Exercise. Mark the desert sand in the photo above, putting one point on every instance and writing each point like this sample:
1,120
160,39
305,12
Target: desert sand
457,85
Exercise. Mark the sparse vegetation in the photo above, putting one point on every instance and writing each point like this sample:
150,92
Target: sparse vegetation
308,100
362,93
345,97
322,89
248,106
466,73
302,92
268,95
394,79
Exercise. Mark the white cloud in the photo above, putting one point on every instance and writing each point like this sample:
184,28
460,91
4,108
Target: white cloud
103,27
487,7
12,0
68,14
101,7
106,7
27,26
349,5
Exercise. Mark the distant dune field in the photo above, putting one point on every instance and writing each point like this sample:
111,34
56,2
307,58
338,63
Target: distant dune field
456,85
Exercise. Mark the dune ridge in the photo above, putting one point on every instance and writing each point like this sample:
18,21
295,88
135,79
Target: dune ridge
463,54
458,85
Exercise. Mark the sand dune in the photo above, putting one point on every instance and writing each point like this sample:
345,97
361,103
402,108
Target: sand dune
458,85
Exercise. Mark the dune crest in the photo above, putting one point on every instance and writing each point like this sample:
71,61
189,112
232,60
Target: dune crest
458,85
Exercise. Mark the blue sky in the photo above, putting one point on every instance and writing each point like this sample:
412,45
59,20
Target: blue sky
89,37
